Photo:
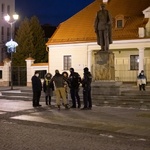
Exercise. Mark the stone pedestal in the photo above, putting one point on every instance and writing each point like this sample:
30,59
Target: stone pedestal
104,66
104,76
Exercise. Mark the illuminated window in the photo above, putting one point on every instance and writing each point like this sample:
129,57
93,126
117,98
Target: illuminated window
134,62
67,62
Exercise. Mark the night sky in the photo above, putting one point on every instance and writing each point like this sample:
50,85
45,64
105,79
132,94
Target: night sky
51,12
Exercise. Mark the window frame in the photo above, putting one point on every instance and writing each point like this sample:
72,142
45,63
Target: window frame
119,18
134,62
67,62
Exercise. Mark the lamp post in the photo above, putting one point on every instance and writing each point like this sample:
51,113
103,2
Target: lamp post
11,45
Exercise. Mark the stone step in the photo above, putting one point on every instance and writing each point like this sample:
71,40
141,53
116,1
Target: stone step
126,99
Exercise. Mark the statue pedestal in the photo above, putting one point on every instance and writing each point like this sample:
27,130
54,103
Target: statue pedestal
104,75
104,66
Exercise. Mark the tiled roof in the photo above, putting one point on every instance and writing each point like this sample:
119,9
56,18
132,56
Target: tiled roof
80,27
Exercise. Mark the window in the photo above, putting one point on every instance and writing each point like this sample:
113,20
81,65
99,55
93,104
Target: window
2,8
67,62
119,21
0,74
42,73
119,24
8,34
2,34
8,9
134,62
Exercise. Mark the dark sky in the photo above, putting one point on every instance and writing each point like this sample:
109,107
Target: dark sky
52,12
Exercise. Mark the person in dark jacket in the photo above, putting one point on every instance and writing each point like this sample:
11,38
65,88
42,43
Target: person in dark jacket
74,83
48,88
36,88
86,84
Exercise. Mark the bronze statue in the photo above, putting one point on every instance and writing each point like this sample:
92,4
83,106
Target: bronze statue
103,28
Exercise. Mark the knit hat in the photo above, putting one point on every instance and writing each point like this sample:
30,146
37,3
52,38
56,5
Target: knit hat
86,69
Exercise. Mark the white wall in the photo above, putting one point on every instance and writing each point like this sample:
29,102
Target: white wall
78,54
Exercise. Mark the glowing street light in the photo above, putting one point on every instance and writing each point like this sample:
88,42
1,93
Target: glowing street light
11,45
11,21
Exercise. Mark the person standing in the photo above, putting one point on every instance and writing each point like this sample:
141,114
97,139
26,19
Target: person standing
65,75
48,88
36,88
142,81
86,84
74,83
102,28
60,92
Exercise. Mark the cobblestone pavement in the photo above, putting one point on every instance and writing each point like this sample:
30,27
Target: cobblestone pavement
23,127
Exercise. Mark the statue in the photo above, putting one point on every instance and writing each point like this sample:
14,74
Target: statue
103,28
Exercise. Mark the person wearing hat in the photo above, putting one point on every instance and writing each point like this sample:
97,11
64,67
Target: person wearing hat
74,83
142,80
36,88
60,92
86,84
48,88
103,28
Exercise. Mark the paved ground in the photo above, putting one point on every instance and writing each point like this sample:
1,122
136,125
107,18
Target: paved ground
117,119
19,119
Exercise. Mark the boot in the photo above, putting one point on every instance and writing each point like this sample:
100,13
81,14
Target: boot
58,107
46,100
66,106
49,100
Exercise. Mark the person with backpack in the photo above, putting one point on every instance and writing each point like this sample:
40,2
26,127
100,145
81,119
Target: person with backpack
74,81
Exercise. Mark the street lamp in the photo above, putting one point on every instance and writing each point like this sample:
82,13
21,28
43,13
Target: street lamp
11,45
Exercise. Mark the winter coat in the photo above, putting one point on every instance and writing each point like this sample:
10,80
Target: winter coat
74,80
86,81
58,80
36,83
48,87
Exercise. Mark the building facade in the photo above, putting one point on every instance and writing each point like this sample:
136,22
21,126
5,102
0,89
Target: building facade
6,7
74,42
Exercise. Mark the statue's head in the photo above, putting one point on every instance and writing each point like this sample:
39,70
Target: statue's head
102,6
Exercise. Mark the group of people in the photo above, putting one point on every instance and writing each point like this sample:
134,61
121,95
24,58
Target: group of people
63,85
